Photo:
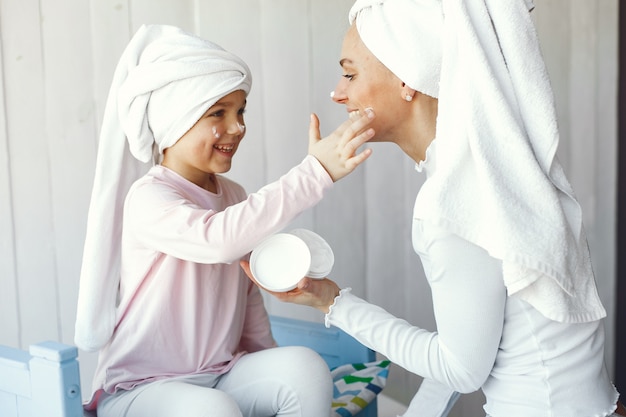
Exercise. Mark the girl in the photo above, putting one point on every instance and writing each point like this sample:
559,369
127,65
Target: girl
179,329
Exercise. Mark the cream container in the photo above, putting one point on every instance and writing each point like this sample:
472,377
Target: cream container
283,259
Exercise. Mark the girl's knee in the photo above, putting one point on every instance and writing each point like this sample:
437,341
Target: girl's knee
189,400
216,404
304,364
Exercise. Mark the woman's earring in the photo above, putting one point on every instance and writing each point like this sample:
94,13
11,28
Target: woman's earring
408,97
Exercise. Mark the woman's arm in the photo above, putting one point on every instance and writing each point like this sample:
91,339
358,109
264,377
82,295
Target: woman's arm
468,299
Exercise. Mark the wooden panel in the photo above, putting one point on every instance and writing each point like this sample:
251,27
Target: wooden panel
30,171
602,242
70,124
582,105
285,72
171,12
388,218
9,310
110,32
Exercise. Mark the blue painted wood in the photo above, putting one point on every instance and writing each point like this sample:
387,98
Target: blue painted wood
44,381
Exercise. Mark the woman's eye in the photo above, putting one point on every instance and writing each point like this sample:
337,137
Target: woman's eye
241,111
348,76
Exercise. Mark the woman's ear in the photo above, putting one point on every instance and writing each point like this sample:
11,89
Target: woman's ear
407,92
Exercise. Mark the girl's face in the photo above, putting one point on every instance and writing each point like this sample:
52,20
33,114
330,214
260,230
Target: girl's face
209,146
366,82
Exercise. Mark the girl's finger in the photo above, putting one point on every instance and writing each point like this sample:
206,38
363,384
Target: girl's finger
356,126
356,160
350,148
314,129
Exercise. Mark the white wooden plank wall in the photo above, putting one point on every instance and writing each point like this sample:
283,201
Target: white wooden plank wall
56,61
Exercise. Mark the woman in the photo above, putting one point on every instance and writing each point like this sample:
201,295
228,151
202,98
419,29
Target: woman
179,329
495,224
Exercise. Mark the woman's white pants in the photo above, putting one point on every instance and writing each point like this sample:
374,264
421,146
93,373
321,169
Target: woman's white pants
288,381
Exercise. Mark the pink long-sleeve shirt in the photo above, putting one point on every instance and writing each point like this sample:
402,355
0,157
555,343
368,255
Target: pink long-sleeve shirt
185,306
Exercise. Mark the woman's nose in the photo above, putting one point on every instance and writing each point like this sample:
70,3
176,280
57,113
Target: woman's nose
338,95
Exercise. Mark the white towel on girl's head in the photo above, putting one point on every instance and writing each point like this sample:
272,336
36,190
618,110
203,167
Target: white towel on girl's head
165,80
497,181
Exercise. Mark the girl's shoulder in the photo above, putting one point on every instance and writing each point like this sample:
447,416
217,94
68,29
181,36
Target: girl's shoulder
161,183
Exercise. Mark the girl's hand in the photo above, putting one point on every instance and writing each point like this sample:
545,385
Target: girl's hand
317,293
337,151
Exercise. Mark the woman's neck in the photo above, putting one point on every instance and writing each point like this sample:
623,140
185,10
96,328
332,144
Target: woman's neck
421,129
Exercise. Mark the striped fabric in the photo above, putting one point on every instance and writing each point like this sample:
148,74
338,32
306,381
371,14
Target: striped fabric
356,385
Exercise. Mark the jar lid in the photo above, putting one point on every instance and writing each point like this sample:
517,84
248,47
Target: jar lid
322,256
280,261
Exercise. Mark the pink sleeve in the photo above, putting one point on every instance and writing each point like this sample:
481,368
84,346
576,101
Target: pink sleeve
164,220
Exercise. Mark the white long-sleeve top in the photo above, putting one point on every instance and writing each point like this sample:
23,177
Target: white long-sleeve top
526,364
185,305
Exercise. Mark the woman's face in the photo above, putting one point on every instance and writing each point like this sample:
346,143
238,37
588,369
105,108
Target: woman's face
366,82
209,146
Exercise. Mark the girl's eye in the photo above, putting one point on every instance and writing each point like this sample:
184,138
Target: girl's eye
241,112
350,77
218,113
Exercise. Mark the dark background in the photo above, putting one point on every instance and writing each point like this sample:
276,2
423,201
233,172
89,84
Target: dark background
620,319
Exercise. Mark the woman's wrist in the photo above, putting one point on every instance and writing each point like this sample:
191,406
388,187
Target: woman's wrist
333,294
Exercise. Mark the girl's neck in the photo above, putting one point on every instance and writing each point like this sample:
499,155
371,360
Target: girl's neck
202,179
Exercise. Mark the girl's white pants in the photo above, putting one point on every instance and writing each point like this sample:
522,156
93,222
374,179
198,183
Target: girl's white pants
288,381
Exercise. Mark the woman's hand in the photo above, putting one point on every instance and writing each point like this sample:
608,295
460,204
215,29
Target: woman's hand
317,293
337,151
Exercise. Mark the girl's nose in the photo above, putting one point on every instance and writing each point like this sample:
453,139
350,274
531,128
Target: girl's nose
236,128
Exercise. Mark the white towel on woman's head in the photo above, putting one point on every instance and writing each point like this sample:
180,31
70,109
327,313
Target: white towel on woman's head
387,27
497,182
163,83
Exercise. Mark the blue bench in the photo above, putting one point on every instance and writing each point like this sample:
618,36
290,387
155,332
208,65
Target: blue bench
45,381
41,382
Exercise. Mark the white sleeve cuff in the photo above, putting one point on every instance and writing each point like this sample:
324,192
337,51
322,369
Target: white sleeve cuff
334,304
